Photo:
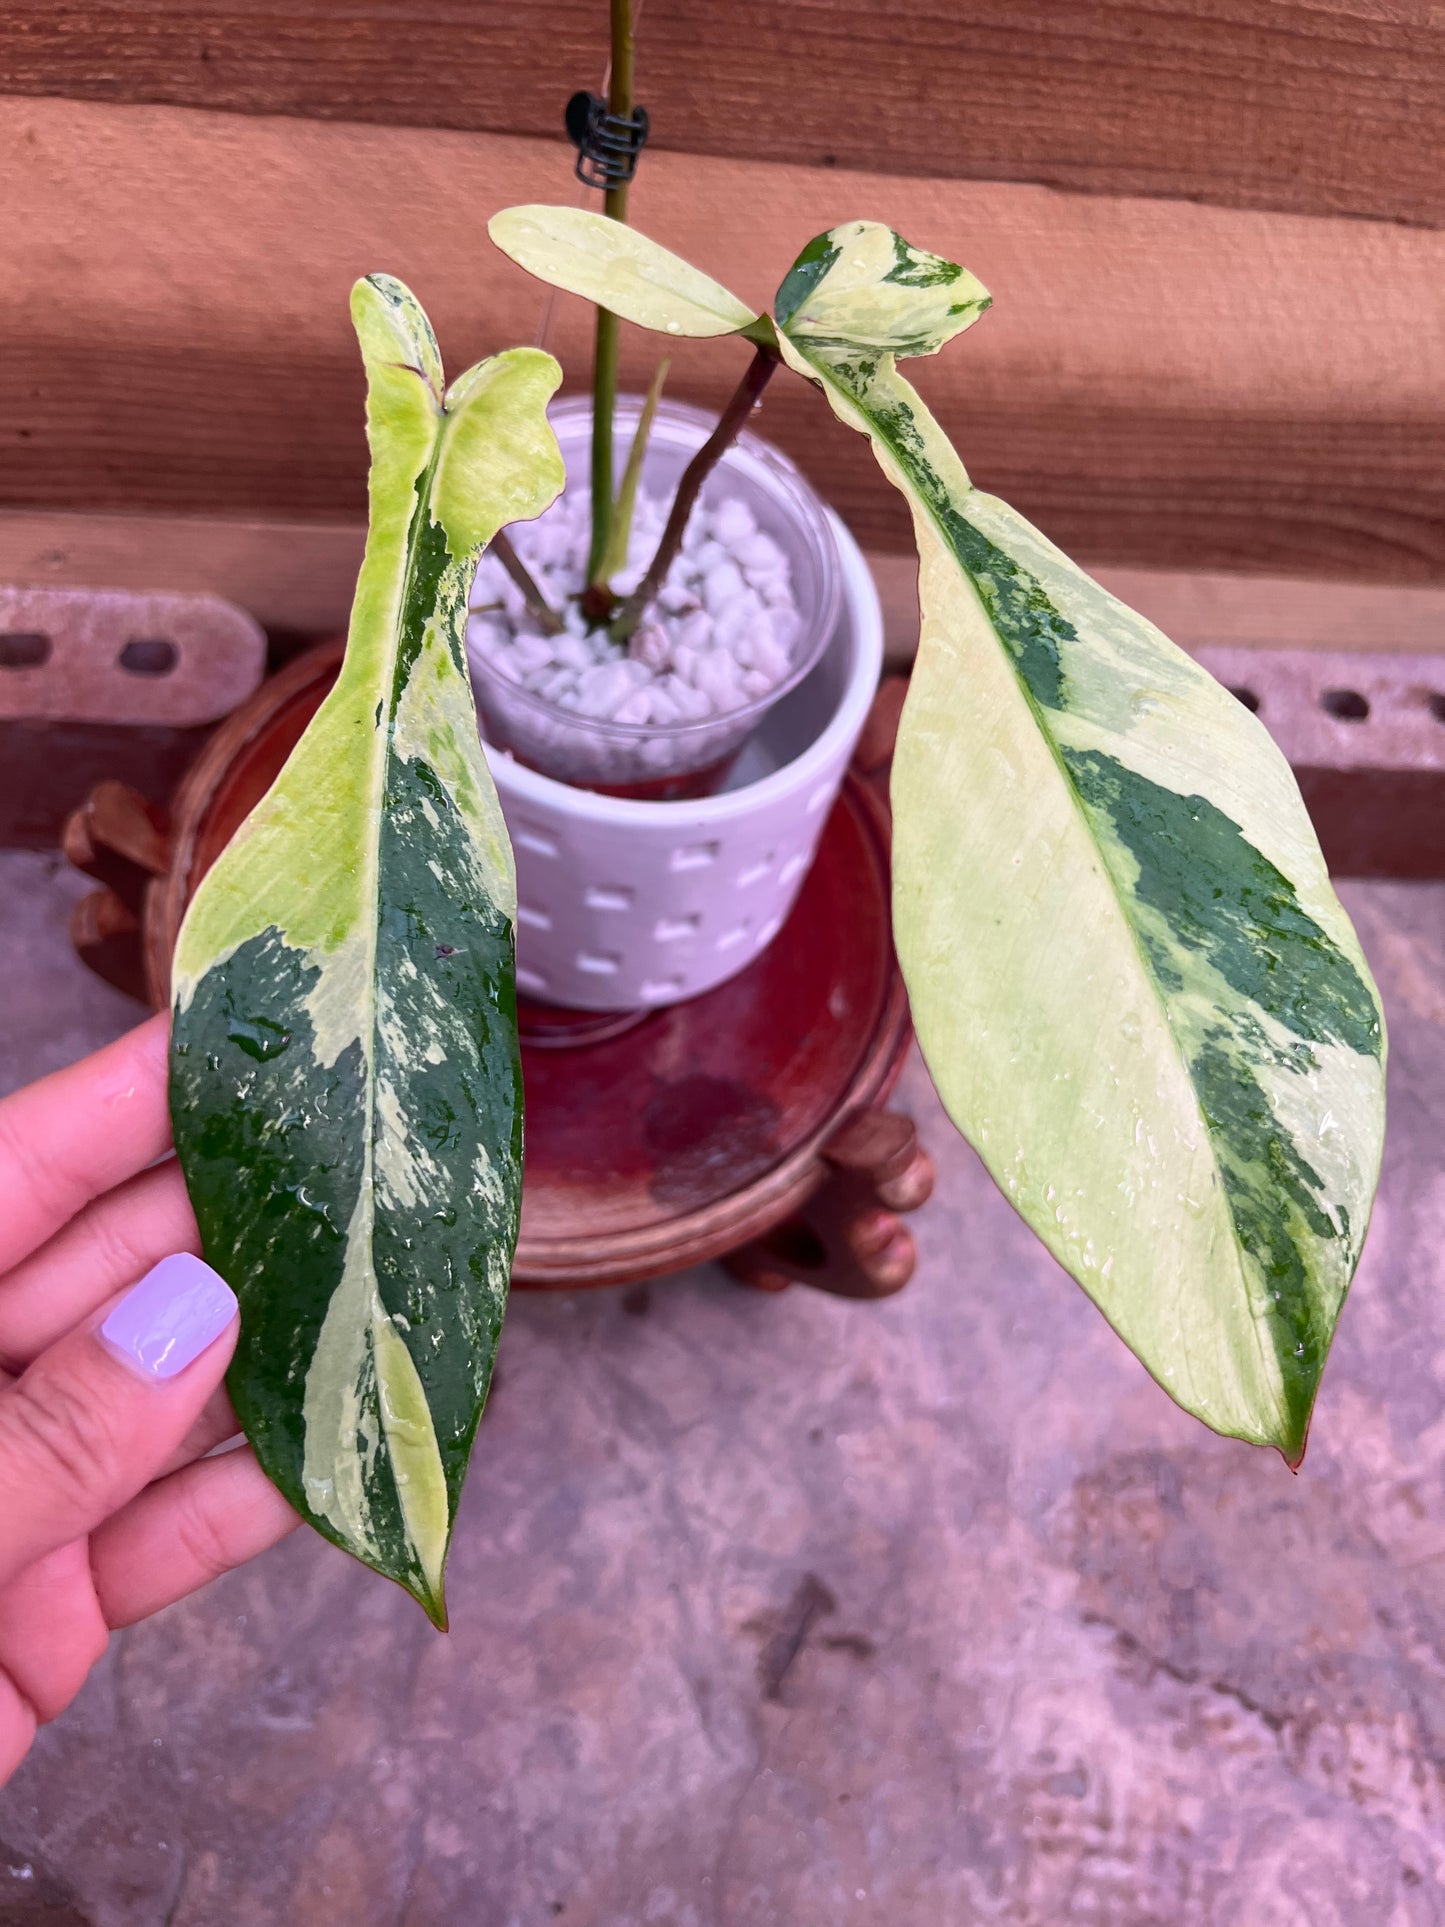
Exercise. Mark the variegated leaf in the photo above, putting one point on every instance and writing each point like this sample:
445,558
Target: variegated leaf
607,262
345,1079
1134,987
864,287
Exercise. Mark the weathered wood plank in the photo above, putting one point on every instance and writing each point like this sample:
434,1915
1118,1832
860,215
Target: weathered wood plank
1158,383
296,578
1320,106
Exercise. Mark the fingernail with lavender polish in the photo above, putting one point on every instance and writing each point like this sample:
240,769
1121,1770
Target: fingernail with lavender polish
166,1321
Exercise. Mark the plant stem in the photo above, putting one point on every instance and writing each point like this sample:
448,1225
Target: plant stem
546,616
597,600
604,356
625,506
744,399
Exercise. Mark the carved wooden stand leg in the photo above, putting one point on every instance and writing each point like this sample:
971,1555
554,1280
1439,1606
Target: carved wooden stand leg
848,1238
122,841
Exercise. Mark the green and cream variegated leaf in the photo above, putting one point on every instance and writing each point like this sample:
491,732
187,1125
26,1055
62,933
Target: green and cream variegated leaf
1134,987
611,264
862,286
345,1077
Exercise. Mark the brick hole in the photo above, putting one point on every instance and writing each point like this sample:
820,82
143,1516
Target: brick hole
149,656
23,649
1435,703
671,929
1248,698
533,919
1345,705
599,963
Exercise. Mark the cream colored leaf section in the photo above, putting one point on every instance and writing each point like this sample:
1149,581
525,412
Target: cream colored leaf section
361,1364
499,461
340,1435
496,461
279,869
613,265
416,1463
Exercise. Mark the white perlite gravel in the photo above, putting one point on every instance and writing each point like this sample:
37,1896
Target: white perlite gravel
719,636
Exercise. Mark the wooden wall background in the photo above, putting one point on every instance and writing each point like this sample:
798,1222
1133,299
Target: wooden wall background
1213,230
1316,106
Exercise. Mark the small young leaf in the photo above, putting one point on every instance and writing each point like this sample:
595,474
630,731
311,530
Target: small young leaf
613,265
863,286
345,1079
1134,987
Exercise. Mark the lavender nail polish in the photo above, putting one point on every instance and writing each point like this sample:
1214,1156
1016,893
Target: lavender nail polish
167,1320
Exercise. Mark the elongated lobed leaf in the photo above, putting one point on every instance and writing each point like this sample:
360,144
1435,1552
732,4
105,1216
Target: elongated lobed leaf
345,1078
1136,992
621,270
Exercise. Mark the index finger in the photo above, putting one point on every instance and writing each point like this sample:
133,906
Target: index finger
78,1133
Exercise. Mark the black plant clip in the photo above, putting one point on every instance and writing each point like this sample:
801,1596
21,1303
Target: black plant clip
607,144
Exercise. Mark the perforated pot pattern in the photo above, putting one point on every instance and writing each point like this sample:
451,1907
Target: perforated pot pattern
625,904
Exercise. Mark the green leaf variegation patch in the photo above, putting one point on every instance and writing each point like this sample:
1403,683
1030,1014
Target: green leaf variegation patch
1136,992
345,1079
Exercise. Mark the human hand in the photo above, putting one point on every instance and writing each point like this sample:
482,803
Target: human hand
110,1389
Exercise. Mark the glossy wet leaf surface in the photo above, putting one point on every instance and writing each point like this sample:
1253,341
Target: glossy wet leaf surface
346,1088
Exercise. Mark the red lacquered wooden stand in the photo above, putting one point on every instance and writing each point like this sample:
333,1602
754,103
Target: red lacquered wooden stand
748,1124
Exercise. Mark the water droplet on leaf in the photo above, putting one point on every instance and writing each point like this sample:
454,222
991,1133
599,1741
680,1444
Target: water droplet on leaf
259,1037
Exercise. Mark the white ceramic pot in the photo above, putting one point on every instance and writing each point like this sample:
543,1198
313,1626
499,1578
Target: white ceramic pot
602,754
625,904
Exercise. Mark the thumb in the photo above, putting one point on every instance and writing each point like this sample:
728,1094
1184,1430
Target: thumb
98,1415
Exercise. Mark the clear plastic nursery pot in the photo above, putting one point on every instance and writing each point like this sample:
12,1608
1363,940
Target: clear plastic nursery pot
629,904
658,760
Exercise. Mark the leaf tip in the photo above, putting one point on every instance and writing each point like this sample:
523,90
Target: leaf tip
392,328
500,224
431,1599
1292,1450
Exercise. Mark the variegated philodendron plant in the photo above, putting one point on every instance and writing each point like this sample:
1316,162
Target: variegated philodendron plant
345,1078
1133,985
